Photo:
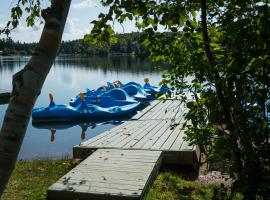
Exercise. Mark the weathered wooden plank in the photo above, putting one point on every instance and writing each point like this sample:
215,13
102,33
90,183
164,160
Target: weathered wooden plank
108,158
142,139
112,172
162,139
185,146
69,195
176,146
170,111
182,111
160,113
167,145
169,136
103,182
98,178
117,176
117,166
165,110
108,179
149,144
147,109
154,112
106,133
125,129
121,140
73,187
124,156
176,109
128,142
126,152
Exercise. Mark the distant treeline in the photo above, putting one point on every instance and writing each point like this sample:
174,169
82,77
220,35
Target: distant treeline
9,47
126,44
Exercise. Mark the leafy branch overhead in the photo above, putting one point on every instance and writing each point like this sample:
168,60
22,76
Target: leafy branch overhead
32,9
219,51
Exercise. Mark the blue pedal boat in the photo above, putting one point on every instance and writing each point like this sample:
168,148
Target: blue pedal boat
133,89
82,111
113,97
148,90
153,90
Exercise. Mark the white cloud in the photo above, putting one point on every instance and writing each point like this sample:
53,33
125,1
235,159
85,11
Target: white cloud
24,33
70,27
72,31
84,4
23,29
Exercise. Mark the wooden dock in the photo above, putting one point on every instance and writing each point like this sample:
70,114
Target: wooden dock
122,162
109,174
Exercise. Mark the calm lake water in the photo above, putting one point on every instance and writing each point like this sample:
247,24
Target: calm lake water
66,79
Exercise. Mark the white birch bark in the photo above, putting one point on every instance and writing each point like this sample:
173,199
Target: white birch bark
27,85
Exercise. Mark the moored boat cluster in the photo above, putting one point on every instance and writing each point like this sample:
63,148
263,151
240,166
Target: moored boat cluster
110,101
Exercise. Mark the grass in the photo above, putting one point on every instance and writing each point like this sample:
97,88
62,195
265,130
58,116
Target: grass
31,179
169,186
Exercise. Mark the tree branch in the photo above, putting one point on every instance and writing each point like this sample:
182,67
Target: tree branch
217,80
215,74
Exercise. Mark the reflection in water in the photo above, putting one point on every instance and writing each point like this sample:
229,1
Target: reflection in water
53,131
66,79
83,135
105,64
83,124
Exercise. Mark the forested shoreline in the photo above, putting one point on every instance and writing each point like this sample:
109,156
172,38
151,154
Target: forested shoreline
127,43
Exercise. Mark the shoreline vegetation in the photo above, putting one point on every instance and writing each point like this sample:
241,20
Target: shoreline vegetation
127,44
31,179
4,97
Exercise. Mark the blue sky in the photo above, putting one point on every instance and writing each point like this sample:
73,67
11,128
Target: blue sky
82,12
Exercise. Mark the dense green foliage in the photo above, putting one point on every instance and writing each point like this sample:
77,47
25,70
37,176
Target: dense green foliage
9,47
31,179
224,50
125,44
32,9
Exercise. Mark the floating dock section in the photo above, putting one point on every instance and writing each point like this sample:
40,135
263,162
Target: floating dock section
121,163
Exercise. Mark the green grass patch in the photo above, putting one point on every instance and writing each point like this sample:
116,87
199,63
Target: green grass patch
31,179
169,186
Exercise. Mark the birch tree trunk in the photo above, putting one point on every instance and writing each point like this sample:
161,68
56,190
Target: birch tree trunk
27,85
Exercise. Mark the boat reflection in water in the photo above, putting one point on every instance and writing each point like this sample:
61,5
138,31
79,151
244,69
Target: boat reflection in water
84,124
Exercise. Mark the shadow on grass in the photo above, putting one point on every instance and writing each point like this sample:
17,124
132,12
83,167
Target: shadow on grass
185,172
